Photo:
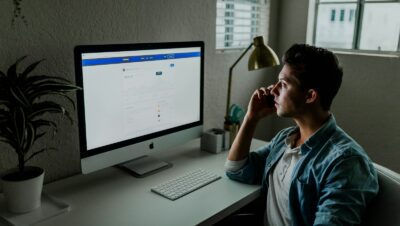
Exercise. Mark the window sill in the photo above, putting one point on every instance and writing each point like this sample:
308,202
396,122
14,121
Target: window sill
373,54
232,50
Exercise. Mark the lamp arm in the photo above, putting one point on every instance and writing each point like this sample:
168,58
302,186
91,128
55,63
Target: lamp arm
228,99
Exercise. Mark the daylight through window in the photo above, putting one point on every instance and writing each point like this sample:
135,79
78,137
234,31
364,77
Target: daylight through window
358,24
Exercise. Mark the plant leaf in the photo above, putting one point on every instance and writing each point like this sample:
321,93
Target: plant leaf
53,87
29,69
38,152
50,89
8,134
4,102
7,141
40,123
4,114
48,107
12,70
39,135
35,79
19,124
70,100
19,96
30,133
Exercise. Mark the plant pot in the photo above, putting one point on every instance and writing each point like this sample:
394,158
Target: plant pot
23,190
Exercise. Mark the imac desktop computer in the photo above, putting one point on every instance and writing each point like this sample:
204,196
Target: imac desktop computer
136,100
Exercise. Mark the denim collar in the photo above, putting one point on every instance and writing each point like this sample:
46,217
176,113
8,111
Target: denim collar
320,136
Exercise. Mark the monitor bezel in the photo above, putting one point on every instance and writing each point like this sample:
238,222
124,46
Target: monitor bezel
81,49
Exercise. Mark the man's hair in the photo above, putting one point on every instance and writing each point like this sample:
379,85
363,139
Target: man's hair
316,68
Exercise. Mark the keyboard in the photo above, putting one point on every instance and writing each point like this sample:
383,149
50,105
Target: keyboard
182,185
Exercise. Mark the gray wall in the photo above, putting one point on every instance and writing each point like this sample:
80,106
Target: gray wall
364,107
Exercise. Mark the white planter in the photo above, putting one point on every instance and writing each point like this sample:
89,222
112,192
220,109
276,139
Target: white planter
23,195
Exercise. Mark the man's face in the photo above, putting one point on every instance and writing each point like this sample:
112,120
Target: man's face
290,99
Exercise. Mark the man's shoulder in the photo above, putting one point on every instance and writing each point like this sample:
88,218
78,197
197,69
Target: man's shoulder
344,144
342,148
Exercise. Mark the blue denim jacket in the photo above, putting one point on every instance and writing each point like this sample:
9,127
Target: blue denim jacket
332,182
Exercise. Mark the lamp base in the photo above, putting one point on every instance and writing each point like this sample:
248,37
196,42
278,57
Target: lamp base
232,129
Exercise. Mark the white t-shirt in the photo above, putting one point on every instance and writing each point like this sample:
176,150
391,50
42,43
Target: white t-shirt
277,209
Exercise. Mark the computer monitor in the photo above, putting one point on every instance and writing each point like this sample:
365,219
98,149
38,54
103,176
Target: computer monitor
137,99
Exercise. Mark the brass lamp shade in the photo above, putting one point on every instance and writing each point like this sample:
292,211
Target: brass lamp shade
262,55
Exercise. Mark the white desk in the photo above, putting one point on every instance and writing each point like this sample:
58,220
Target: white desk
113,197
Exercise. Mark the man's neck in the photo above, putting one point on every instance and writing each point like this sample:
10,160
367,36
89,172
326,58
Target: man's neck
309,124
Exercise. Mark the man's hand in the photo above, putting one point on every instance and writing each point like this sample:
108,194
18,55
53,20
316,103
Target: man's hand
258,107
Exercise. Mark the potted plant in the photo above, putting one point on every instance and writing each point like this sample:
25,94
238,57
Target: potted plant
25,106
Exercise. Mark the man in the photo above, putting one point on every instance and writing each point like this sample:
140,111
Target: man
313,173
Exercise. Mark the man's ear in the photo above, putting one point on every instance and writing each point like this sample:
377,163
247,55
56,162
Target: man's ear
312,96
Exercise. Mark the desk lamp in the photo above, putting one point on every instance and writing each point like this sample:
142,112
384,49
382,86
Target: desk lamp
261,57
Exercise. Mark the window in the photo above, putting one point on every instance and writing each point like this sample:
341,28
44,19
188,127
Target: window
342,14
333,12
351,15
239,21
356,24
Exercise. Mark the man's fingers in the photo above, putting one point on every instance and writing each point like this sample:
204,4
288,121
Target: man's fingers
263,91
259,93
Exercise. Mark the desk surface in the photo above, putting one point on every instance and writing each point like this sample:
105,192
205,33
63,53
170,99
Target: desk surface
113,197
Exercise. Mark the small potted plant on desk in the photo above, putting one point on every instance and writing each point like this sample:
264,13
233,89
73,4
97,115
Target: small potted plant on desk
24,109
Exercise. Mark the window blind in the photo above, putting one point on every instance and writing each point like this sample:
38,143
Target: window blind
239,21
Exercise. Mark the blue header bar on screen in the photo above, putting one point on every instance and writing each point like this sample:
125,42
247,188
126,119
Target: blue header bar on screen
131,59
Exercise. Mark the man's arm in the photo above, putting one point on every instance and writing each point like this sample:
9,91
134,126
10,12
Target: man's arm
349,188
240,165
241,145
256,110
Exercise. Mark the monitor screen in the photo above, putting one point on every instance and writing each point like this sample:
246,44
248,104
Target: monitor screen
137,99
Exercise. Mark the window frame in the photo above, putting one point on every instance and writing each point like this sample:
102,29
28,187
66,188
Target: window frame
358,17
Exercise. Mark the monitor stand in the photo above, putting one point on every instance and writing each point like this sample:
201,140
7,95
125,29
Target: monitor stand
144,166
